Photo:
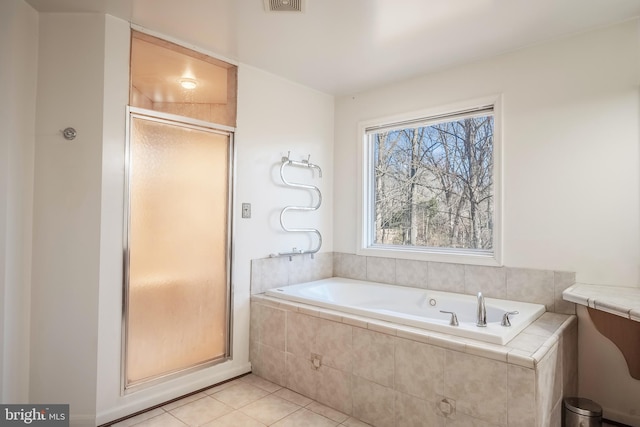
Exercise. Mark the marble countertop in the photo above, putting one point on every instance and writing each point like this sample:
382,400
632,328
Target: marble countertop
624,302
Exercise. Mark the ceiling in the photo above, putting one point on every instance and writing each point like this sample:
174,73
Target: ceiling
347,46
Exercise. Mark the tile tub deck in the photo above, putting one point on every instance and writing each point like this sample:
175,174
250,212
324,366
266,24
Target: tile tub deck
388,374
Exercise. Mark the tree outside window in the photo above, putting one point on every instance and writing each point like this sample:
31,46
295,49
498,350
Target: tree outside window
433,183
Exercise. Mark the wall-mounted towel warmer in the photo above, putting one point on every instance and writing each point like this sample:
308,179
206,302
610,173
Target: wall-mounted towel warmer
286,161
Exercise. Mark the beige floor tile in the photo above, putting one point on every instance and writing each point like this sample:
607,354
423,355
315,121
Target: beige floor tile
463,420
325,411
139,418
256,381
250,401
305,418
164,420
221,387
292,396
270,409
201,411
239,395
354,422
178,403
234,419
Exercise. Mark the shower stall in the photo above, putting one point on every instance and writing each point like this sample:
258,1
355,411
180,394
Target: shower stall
177,243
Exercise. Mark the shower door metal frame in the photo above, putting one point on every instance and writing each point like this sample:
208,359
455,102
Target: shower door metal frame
194,124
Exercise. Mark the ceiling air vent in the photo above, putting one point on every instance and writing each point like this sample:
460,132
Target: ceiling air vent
283,5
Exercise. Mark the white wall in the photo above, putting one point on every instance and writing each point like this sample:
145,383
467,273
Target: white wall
116,97
571,175
66,223
571,165
18,50
276,116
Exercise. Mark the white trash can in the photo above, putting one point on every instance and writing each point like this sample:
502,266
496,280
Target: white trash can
581,412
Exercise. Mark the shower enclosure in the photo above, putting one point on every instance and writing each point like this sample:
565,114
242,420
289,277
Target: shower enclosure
177,246
177,293
177,255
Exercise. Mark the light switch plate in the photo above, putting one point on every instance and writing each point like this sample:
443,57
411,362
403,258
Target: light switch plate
246,210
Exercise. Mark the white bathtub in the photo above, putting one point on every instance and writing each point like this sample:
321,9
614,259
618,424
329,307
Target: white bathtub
414,307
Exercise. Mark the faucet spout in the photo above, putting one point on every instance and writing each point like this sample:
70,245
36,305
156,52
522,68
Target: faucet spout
481,320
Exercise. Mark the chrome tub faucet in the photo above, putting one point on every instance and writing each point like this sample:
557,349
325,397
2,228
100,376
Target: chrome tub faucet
482,312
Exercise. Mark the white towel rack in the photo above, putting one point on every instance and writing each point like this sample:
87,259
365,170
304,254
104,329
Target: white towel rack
286,162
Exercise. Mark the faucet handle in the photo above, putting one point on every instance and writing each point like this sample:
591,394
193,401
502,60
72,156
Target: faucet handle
505,317
454,318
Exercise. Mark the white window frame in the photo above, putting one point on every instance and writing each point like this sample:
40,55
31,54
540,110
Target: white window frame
366,197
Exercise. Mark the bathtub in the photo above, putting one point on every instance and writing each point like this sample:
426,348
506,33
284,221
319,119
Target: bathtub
414,307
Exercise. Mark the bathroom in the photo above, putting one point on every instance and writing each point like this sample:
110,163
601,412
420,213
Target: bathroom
570,177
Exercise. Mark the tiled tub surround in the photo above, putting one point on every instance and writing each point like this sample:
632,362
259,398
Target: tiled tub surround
387,374
267,273
392,375
421,308
516,284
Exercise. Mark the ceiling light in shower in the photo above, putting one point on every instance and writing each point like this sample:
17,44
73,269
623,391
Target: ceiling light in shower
188,83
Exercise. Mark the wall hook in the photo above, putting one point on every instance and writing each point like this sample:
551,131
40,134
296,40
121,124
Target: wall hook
69,134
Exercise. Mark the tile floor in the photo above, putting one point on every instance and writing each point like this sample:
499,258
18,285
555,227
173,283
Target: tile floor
249,401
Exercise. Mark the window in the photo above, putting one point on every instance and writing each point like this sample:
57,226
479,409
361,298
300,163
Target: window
432,186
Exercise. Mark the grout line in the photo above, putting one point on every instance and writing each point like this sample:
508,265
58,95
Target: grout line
179,420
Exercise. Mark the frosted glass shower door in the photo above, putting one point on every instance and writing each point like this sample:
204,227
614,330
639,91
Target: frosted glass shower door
177,280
